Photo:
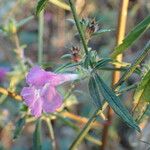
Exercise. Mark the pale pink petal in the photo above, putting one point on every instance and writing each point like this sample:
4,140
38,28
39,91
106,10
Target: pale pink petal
36,109
52,100
58,79
28,94
38,77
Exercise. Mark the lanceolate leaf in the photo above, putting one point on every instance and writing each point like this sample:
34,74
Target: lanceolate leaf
37,136
94,92
19,126
132,36
40,6
143,90
24,21
116,104
67,65
101,31
134,65
102,62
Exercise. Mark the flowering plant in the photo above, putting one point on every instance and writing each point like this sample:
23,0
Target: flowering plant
96,82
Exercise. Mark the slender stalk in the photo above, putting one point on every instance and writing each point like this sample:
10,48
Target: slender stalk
76,128
77,21
116,74
18,50
79,119
83,133
40,37
51,131
87,127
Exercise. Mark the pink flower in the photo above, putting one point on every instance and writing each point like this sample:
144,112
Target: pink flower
41,95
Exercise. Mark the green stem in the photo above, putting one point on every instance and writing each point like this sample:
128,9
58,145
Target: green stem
40,37
82,37
51,131
84,131
73,126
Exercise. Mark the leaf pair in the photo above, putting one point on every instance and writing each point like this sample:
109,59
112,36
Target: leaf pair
96,86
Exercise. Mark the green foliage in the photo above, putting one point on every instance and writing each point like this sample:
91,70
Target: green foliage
102,63
37,136
115,104
24,21
132,36
148,110
101,31
40,6
94,92
134,65
142,92
19,126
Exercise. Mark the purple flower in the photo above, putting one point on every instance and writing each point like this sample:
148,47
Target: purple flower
2,74
41,95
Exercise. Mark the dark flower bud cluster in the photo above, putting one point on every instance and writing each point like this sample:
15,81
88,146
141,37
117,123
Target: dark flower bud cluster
91,28
75,54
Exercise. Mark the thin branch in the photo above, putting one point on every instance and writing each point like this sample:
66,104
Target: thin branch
77,21
11,94
79,119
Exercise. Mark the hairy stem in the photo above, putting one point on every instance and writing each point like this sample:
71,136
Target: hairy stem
78,25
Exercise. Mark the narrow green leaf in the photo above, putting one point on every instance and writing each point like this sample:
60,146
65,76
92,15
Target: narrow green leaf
94,92
148,110
19,126
67,65
102,63
65,56
40,6
142,91
37,136
146,93
24,21
101,31
116,104
134,65
87,61
132,36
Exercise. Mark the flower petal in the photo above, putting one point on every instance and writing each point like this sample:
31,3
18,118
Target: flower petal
36,109
52,100
38,77
28,94
58,79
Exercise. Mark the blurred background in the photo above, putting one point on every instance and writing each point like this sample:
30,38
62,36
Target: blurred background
59,37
